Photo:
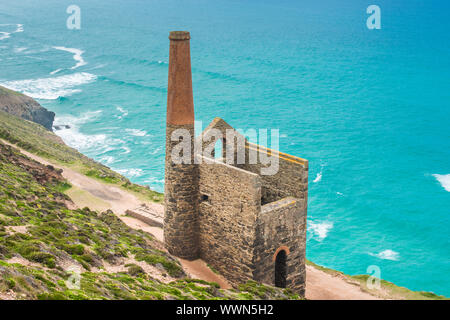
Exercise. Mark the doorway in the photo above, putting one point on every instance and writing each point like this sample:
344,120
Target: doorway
281,269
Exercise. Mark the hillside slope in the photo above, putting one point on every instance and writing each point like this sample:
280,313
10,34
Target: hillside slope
51,250
43,234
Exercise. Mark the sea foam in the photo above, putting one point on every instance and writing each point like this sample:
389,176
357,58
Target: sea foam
320,230
387,255
444,180
136,132
5,35
51,88
318,177
130,173
77,56
74,138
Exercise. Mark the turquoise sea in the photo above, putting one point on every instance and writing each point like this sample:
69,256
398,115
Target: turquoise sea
370,109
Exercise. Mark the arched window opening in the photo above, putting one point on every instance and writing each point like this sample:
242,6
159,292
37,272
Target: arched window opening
281,269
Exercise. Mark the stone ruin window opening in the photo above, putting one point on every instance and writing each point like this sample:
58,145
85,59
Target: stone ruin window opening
281,269
204,198
219,151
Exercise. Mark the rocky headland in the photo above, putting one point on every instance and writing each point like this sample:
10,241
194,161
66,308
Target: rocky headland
25,107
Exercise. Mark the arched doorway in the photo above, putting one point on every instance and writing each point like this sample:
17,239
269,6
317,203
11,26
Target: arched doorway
281,269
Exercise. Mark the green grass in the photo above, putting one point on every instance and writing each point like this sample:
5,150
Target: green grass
57,236
36,139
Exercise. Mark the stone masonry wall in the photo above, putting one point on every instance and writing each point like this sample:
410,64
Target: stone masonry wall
181,202
281,225
228,209
291,179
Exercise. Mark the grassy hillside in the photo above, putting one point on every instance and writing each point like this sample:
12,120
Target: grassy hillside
41,237
42,242
35,139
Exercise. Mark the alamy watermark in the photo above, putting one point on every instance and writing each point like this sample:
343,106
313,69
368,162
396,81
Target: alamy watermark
74,281
374,20
74,20
373,282
235,148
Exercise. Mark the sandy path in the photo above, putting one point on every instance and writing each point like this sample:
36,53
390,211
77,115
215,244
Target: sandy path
198,269
323,286
119,200
319,285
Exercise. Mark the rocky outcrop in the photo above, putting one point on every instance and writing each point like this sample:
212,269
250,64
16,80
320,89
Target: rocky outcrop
25,107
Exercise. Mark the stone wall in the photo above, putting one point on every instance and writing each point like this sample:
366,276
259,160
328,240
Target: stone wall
291,179
228,209
280,222
181,202
282,226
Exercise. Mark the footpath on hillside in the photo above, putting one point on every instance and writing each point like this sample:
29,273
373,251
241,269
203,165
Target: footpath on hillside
91,193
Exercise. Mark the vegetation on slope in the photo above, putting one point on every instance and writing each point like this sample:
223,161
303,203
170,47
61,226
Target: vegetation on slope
42,240
35,139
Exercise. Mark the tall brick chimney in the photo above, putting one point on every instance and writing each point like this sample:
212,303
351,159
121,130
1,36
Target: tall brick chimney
181,180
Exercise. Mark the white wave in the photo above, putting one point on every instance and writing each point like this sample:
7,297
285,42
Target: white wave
19,28
99,144
318,177
56,71
77,56
82,142
107,160
387,255
136,132
76,121
123,111
4,35
51,88
444,180
320,229
126,150
20,49
339,193
153,180
130,173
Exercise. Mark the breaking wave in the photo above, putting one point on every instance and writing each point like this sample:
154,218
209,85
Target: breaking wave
51,88
77,56
318,177
387,255
444,180
5,35
130,173
320,230
136,132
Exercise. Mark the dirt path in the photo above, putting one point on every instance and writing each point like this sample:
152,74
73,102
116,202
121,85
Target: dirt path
323,286
319,285
116,199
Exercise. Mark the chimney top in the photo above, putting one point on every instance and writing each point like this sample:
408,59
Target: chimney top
179,35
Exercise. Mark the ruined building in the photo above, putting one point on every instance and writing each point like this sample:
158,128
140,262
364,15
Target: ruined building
244,224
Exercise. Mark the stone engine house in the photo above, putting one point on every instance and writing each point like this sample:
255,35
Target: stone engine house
244,224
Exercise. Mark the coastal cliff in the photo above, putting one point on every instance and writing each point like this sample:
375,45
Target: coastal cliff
25,107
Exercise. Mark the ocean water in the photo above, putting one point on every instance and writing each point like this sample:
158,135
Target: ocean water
369,109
